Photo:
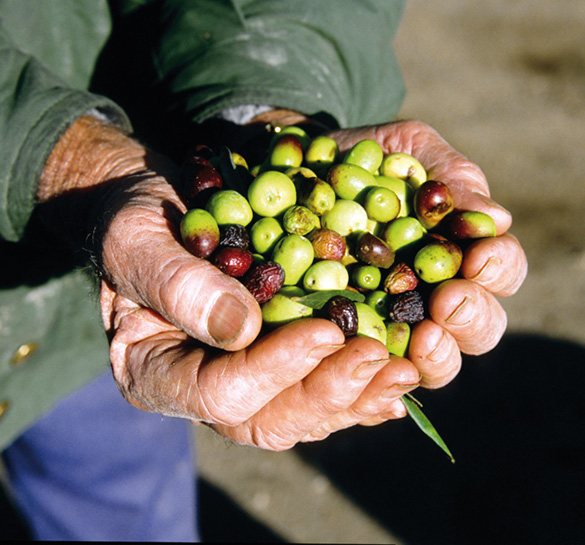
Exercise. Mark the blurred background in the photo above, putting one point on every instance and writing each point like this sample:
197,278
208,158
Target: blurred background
504,82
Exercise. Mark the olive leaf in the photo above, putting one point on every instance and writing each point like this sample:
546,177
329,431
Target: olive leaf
318,299
413,407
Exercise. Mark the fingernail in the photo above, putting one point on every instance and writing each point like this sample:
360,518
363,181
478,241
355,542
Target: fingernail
489,201
441,351
397,390
226,319
320,352
367,370
463,313
490,270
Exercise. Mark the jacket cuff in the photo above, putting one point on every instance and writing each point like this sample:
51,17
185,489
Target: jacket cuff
36,144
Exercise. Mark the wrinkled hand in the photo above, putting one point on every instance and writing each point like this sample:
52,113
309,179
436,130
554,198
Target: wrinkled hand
465,314
182,334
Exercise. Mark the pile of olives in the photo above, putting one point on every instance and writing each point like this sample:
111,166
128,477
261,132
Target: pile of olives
360,238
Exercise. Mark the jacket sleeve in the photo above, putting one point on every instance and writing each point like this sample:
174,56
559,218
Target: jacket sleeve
36,107
307,55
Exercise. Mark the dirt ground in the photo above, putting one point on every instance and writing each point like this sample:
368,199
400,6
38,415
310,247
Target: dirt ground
504,82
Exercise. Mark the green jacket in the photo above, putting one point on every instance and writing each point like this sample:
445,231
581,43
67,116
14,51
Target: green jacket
157,63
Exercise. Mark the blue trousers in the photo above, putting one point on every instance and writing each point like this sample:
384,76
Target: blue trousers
97,469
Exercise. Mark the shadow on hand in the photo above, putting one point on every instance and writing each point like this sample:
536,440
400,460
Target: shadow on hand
514,421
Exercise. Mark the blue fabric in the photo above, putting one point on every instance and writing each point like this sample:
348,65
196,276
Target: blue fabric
96,468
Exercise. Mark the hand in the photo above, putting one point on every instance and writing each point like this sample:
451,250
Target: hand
466,316
182,334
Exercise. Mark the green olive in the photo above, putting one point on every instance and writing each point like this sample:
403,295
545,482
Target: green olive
367,154
404,166
287,152
282,309
403,232
398,338
350,181
321,153
381,204
370,323
366,277
378,300
437,261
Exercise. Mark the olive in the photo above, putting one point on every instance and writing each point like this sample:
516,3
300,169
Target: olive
438,260
373,250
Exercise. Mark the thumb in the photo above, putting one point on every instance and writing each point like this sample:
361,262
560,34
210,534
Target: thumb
157,273
205,303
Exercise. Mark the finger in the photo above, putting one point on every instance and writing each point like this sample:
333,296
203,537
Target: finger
435,353
469,313
376,403
207,304
235,386
147,264
498,264
395,410
158,365
128,325
329,389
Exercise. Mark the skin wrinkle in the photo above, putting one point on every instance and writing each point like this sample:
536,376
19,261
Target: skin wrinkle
282,438
435,355
489,322
176,281
205,413
435,374
233,397
218,397
270,439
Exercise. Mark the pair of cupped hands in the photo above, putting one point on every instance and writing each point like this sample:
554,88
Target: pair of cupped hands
184,336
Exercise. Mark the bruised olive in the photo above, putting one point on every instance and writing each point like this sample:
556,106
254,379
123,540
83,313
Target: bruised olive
432,202
464,224
373,250
199,232
299,220
328,244
287,152
343,313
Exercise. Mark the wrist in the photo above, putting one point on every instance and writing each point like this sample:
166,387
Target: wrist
91,164
88,154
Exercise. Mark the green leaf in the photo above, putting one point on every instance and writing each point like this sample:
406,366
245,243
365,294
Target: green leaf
318,299
413,407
